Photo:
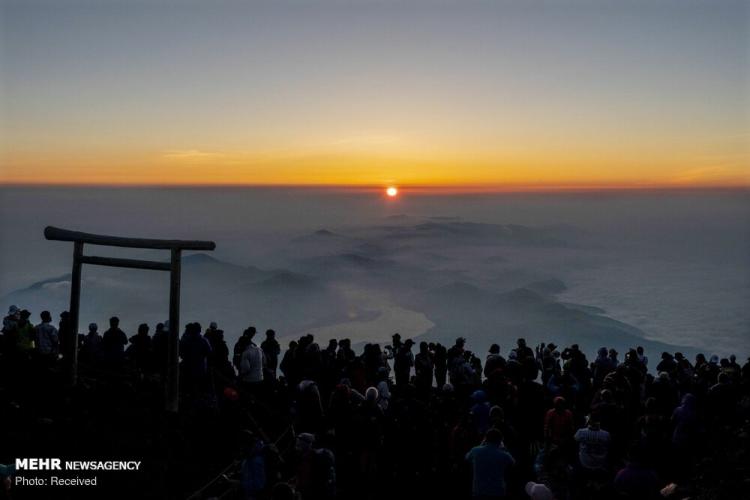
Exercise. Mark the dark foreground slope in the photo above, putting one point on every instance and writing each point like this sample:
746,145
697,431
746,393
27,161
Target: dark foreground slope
343,425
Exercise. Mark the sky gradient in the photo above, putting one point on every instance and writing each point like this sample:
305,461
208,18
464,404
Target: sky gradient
429,93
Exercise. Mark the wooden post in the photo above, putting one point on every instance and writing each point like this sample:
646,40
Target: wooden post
75,302
172,386
173,350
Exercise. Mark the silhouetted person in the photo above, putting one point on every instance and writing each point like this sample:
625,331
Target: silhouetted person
370,432
288,365
114,341
309,407
642,358
494,361
140,348
489,462
667,364
637,481
722,400
91,352
219,357
271,350
160,347
480,411
344,356
241,345
46,338
441,365
403,361
10,330
67,337
251,362
24,336
558,423
211,331
315,469
331,373
253,473
522,350
593,446
395,343
194,351
414,442
455,363
602,366
424,368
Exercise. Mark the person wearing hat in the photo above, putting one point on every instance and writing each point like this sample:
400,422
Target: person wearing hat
316,468
14,314
10,328
25,339
494,361
667,363
480,411
213,327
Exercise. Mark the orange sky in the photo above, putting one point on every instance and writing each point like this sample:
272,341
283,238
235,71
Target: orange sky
494,169
504,95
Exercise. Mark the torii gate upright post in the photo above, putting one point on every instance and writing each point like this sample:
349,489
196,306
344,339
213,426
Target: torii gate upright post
173,266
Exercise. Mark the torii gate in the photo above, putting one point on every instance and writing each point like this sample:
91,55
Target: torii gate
175,246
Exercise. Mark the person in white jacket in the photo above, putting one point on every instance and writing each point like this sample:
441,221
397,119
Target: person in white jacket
251,364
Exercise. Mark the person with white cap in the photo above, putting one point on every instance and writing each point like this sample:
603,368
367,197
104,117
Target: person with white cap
10,327
538,491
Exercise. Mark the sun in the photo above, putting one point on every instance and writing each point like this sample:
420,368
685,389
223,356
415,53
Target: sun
391,191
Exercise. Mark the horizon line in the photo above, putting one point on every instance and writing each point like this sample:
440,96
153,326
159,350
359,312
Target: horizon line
411,188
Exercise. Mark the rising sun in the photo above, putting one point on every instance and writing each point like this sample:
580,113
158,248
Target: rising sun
392,191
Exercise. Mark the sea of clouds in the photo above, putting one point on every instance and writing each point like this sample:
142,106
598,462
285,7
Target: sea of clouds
665,269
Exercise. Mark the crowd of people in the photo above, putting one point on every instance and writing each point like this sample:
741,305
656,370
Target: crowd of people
408,420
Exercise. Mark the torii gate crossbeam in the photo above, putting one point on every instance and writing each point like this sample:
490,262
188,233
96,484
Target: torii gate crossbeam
173,266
